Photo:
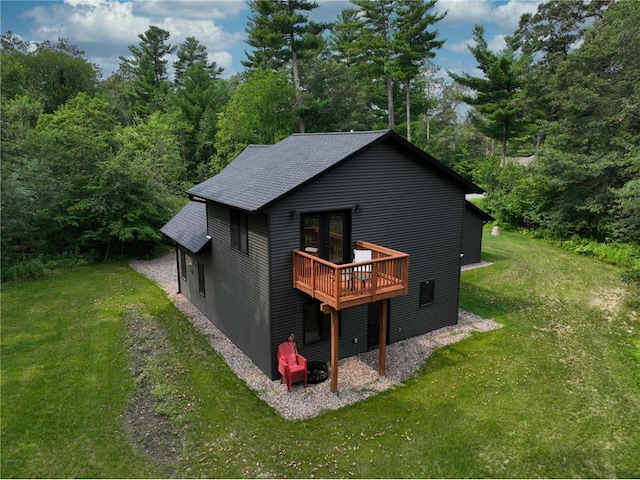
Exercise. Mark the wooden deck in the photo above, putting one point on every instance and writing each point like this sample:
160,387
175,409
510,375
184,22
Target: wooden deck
386,275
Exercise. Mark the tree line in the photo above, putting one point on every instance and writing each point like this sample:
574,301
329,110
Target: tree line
92,168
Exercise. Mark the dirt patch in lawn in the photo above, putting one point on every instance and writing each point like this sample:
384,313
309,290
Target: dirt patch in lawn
608,300
151,419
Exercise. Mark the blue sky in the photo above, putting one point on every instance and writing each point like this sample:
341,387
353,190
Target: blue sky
104,28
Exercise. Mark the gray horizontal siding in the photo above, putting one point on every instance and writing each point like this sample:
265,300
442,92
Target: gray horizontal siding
405,206
237,285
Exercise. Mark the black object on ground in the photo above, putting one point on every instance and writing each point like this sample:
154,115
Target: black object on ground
317,372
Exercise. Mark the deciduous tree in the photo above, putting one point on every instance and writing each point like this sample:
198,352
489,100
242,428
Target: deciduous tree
20,210
346,98
134,192
259,112
54,73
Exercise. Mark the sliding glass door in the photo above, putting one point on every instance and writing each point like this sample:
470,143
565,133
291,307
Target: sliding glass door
327,235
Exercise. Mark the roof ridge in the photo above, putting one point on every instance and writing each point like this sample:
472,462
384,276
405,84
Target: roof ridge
340,133
260,176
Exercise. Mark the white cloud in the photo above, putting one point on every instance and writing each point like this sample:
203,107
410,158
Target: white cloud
328,10
459,47
105,28
223,59
497,43
476,72
507,16
189,9
463,12
88,22
107,65
207,32
75,3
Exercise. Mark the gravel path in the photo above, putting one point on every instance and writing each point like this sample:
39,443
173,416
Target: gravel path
473,266
357,376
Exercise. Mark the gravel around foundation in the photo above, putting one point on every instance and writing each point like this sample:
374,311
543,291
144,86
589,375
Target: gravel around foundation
358,377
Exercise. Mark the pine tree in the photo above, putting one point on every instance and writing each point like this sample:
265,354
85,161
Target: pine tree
414,43
192,52
497,95
147,67
345,34
549,35
279,31
377,39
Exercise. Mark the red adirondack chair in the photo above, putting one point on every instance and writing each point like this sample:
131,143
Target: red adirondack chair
291,365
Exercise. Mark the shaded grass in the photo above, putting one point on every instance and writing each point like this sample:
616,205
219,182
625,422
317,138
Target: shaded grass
555,393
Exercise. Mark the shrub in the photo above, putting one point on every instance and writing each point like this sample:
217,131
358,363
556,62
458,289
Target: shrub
41,267
632,275
623,254
28,269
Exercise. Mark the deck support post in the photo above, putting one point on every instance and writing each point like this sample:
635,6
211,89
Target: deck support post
335,336
382,351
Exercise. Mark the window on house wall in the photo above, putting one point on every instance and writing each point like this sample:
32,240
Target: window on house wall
183,265
201,286
239,231
327,235
427,293
317,325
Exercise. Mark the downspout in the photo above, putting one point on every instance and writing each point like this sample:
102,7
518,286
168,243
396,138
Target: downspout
178,268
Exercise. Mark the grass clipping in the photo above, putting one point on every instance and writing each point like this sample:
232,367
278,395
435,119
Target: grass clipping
154,417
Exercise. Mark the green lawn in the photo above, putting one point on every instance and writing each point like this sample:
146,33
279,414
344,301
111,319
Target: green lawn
555,393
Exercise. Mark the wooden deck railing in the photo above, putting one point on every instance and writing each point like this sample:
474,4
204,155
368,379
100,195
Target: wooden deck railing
386,275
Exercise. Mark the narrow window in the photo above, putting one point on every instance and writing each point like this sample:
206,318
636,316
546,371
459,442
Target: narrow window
201,287
183,265
426,292
239,233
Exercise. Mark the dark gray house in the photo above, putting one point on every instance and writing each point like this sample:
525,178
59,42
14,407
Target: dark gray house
474,220
262,245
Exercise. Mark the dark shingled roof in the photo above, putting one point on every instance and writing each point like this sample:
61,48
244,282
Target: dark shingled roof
262,174
189,227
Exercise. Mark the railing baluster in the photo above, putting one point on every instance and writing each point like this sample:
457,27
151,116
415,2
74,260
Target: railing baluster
326,281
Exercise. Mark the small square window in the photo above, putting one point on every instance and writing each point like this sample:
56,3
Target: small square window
427,292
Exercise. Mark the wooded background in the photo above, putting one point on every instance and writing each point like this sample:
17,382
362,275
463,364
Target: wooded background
93,167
